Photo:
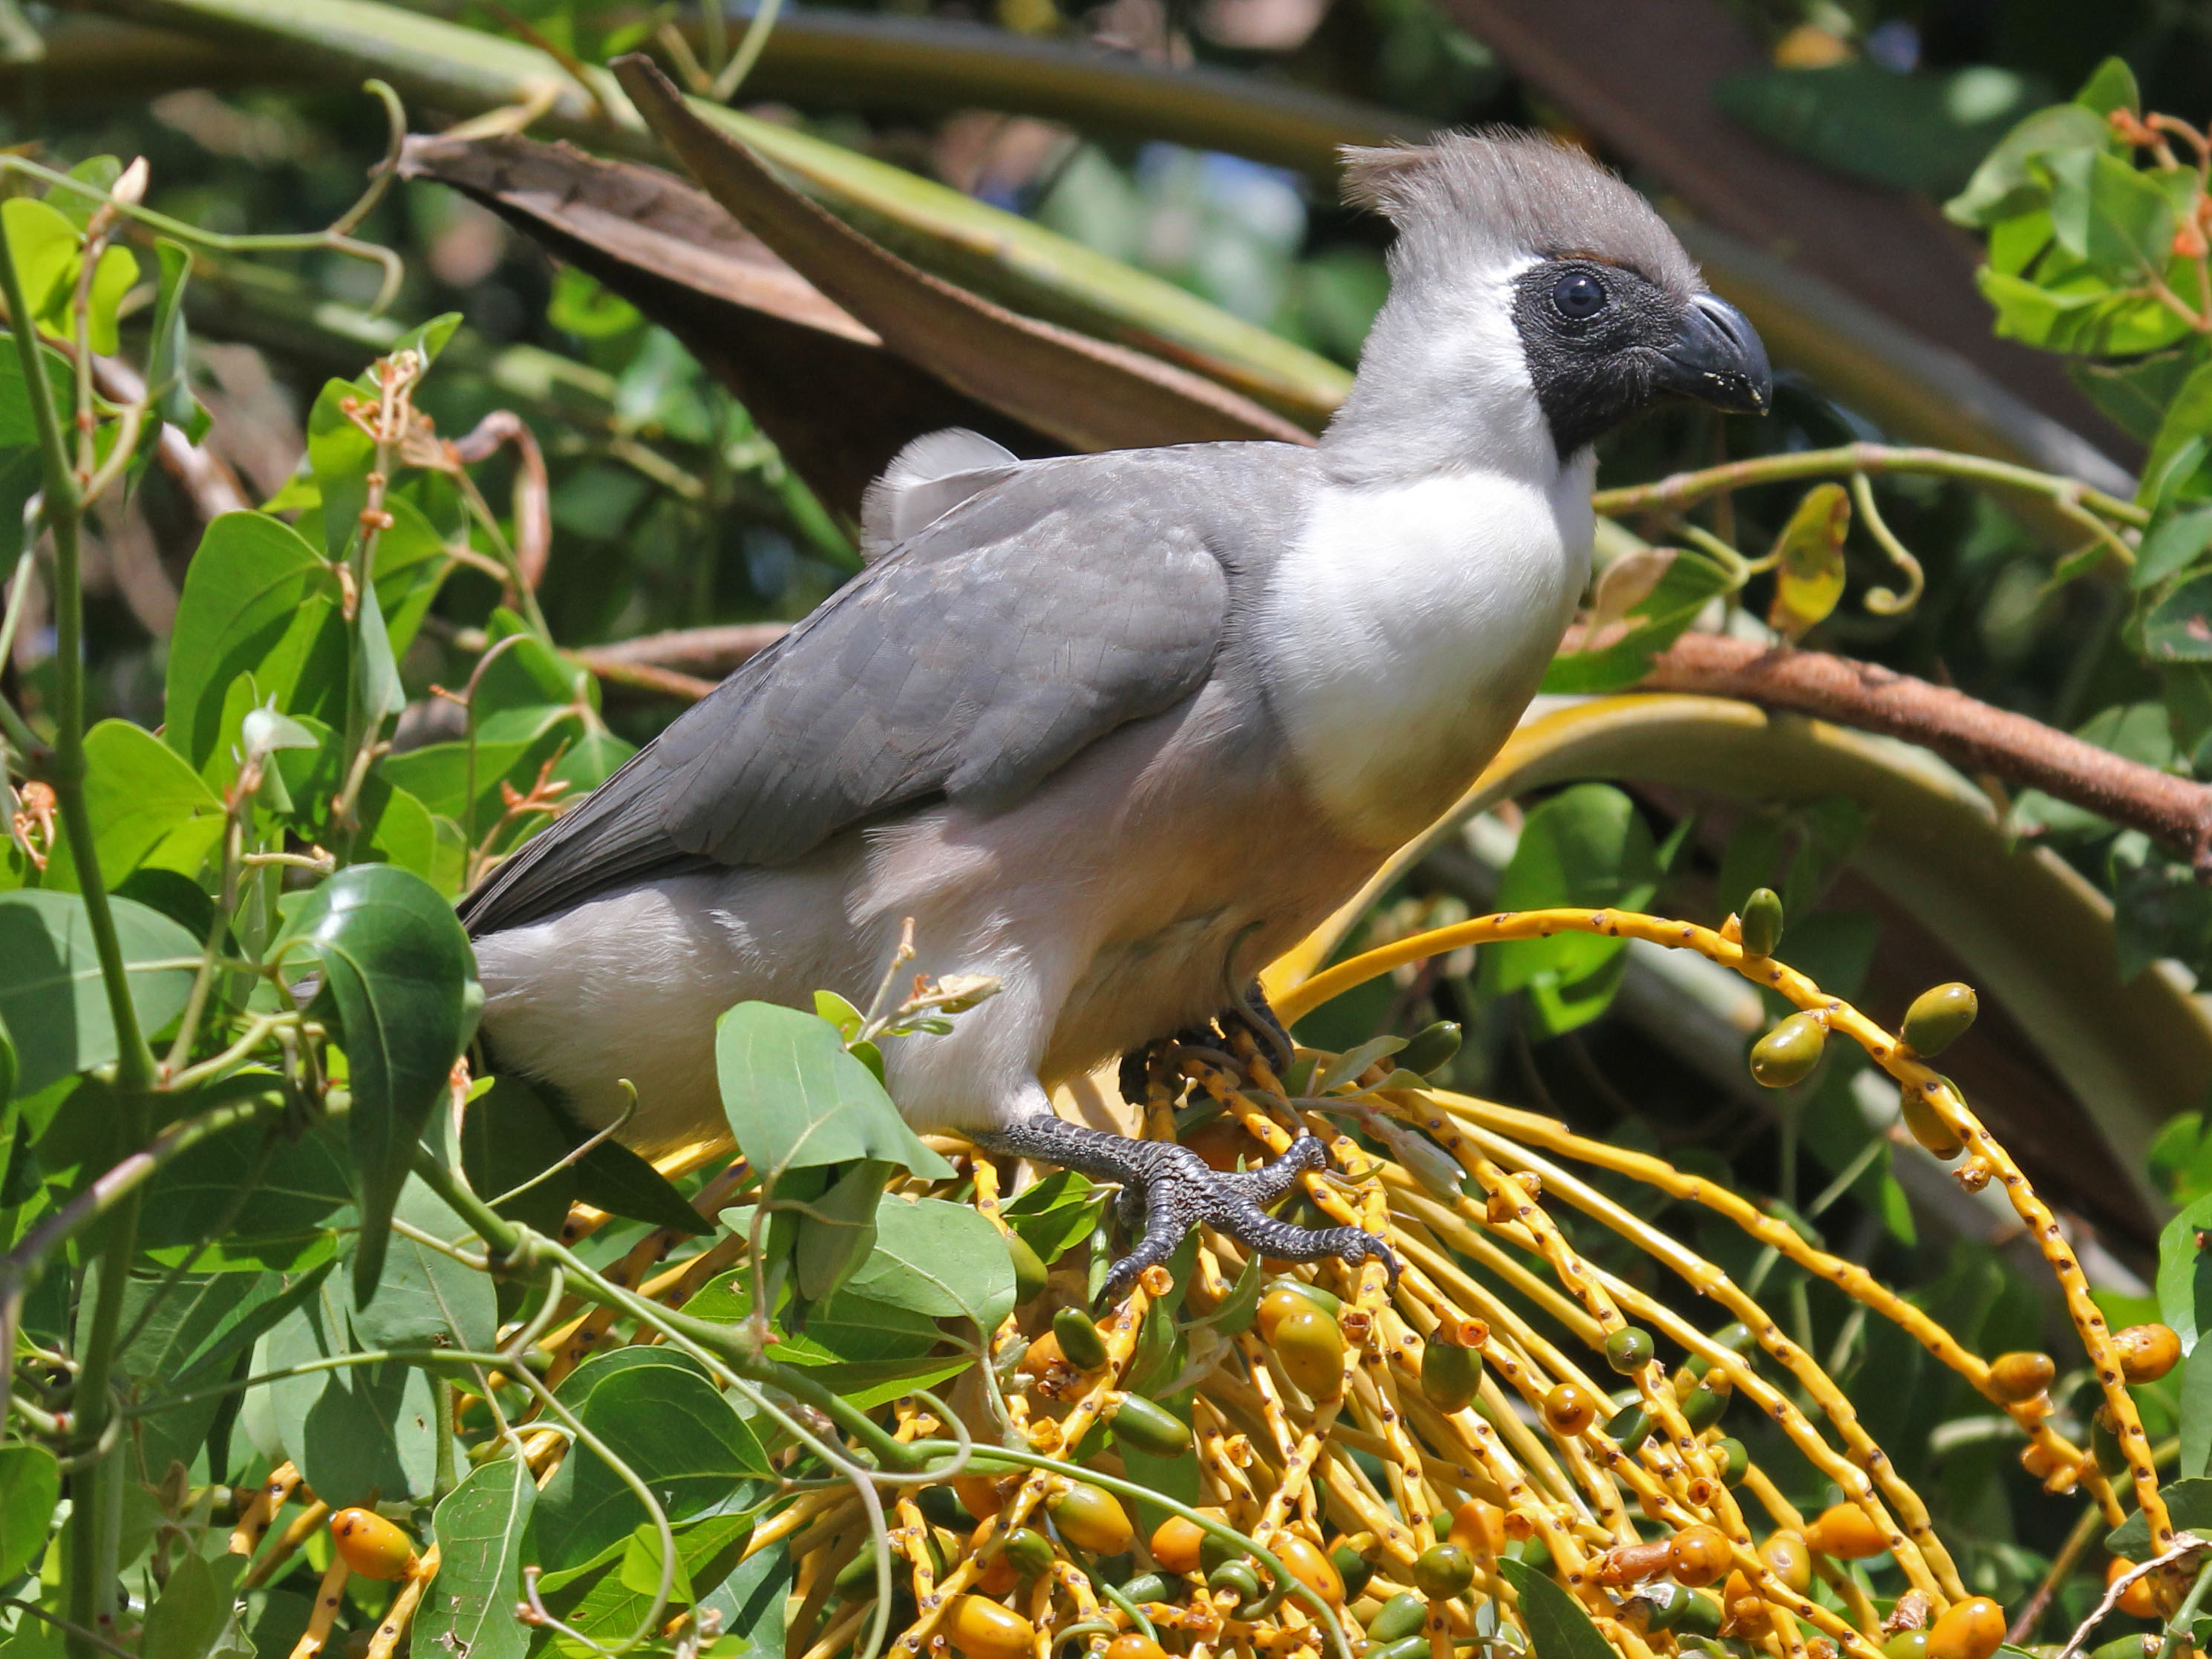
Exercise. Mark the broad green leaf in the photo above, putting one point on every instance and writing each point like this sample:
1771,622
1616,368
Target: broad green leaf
438,774
254,600
671,1427
2111,86
939,1259
376,691
302,1182
425,1297
1558,1627
528,675
606,1604
508,1137
1054,1214
795,1099
613,1178
30,1486
188,1619
480,1527
2104,211
2136,394
340,454
52,1001
111,278
147,807
2184,1275
166,371
846,1329
1808,581
2179,627
2188,421
2090,317
45,245
2005,186
1586,847
1688,583
398,975
838,1229
2188,1500
2173,545
2197,1412
357,1429
750,1601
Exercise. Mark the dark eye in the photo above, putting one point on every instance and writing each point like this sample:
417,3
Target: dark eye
1578,294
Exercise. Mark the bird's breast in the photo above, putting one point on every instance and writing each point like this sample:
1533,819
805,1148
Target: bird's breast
1406,629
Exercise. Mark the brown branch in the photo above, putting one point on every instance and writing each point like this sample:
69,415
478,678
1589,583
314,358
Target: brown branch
1971,734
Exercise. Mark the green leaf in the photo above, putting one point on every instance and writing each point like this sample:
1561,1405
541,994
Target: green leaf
52,998
2184,1275
425,1297
2197,1412
2087,316
1686,584
340,454
2007,184
1588,848
2111,86
613,1178
115,276
302,1182
376,691
194,1609
148,808
796,1100
2188,420
254,600
30,1486
2104,211
2189,1501
670,1426
838,1229
939,1259
45,245
2136,394
480,1527
509,1136
2174,543
398,975
166,371
1054,1214
750,1601
1558,1627
607,1603
355,1430
1808,581
2179,627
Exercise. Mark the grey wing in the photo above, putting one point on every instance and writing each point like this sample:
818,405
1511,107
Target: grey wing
969,664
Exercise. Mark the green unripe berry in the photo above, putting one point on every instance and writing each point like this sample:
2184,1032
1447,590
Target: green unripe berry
1628,1350
1449,1375
1907,1644
1443,1571
1761,922
1926,1125
1939,1017
1704,1409
1401,1616
1079,1340
1405,1647
1353,1568
1788,1054
1629,1427
1146,1586
1029,1271
1030,1553
1432,1046
1735,1460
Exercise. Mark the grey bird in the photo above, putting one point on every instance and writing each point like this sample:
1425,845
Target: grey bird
1118,729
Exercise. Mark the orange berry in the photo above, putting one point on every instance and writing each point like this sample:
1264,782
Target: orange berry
1844,1532
1175,1543
1091,1520
2021,1376
1219,1145
1132,1644
2146,1352
1972,1629
1698,1556
1787,1559
2140,1598
372,1546
1479,1527
979,1497
1569,1409
981,1629
998,1576
1311,1566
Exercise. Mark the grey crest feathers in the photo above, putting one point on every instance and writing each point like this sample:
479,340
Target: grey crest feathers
925,481
1485,199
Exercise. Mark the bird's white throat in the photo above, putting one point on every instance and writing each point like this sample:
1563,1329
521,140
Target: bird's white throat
1406,629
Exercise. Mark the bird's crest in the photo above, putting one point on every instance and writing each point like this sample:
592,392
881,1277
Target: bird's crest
1483,199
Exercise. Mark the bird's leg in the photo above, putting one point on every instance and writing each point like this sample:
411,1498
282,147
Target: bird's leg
1251,1012
1177,1191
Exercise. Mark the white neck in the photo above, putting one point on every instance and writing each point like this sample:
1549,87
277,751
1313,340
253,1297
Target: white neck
1408,626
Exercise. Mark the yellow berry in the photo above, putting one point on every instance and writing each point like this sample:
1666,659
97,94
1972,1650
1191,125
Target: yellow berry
1311,1347
372,1546
2146,1352
1569,1409
1972,1629
2021,1376
1846,1532
1698,1556
981,1629
1091,1520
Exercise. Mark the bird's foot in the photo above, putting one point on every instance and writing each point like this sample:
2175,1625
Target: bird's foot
1172,1190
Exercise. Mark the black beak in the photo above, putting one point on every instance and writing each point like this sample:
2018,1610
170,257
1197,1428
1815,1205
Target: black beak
1717,358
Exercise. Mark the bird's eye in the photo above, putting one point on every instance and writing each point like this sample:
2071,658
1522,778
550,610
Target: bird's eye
1578,295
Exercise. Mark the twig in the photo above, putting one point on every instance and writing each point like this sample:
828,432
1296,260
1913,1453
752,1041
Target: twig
2184,1543
1969,733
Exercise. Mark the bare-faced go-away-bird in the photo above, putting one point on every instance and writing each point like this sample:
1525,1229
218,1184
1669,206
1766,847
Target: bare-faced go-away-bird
1117,729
